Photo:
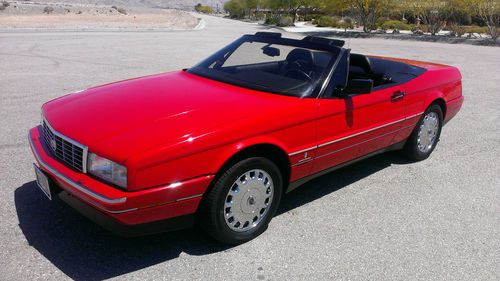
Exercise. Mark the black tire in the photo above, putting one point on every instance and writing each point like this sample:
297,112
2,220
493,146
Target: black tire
212,209
411,149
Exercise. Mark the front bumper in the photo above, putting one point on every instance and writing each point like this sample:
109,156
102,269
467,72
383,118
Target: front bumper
129,208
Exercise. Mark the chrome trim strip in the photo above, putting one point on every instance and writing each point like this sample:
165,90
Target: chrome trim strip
362,132
354,135
303,150
365,141
74,184
189,197
303,162
122,211
414,115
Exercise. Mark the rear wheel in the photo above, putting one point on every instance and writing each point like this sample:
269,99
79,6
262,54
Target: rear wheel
242,201
425,136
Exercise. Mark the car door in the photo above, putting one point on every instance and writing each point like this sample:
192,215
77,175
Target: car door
355,125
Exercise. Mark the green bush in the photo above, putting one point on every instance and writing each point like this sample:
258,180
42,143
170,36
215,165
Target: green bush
311,17
272,20
279,21
476,29
326,21
380,22
456,30
203,9
346,23
396,24
285,21
235,8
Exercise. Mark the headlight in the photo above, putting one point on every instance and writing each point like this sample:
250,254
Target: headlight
107,170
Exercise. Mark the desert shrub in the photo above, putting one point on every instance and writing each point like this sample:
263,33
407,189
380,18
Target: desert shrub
326,21
272,20
5,4
203,9
311,17
235,8
48,9
121,10
285,21
380,22
346,22
396,24
476,29
79,12
456,30
279,20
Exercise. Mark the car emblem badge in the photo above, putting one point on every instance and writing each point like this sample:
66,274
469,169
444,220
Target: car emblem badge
53,144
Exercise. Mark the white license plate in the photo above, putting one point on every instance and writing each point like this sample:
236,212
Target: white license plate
42,181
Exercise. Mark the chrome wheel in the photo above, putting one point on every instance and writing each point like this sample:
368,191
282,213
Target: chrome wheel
427,132
248,200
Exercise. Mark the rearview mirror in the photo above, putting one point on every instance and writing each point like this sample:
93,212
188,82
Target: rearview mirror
271,51
358,86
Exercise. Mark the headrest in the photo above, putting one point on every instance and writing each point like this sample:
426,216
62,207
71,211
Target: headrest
361,61
300,54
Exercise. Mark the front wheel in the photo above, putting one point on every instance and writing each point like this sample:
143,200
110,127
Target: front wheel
425,136
242,201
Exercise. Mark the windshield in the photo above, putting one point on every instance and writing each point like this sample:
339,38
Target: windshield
276,65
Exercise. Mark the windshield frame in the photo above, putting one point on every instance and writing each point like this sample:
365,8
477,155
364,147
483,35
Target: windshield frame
317,87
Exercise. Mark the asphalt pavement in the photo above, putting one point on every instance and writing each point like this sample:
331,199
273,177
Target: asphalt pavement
380,219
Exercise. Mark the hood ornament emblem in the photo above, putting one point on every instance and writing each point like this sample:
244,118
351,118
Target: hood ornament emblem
53,144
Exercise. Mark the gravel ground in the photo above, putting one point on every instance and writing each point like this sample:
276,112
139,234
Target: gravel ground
380,219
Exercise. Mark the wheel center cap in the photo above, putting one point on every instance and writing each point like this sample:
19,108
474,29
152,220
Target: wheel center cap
251,200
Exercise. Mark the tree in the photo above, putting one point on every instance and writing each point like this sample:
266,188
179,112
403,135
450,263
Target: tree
368,11
489,11
235,8
433,13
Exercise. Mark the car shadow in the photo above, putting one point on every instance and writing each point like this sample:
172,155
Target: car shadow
84,251
338,179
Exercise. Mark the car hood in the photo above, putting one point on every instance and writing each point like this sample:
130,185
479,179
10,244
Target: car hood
121,119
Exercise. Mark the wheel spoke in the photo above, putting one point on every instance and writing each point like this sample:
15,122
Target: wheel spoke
248,199
426,136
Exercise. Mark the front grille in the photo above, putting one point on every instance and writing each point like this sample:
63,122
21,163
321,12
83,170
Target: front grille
64,149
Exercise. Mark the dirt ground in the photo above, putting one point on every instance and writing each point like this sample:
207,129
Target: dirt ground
21,15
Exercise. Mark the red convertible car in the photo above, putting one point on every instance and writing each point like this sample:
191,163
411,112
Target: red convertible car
219,144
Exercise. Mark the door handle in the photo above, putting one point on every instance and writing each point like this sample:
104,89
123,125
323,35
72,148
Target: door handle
397,95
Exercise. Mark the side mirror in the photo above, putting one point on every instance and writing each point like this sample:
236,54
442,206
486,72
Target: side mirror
358,86
271,51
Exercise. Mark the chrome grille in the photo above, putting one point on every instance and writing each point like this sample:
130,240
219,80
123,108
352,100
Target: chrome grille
64,149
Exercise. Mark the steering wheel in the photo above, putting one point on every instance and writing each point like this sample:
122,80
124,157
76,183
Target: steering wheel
289,73
297,67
